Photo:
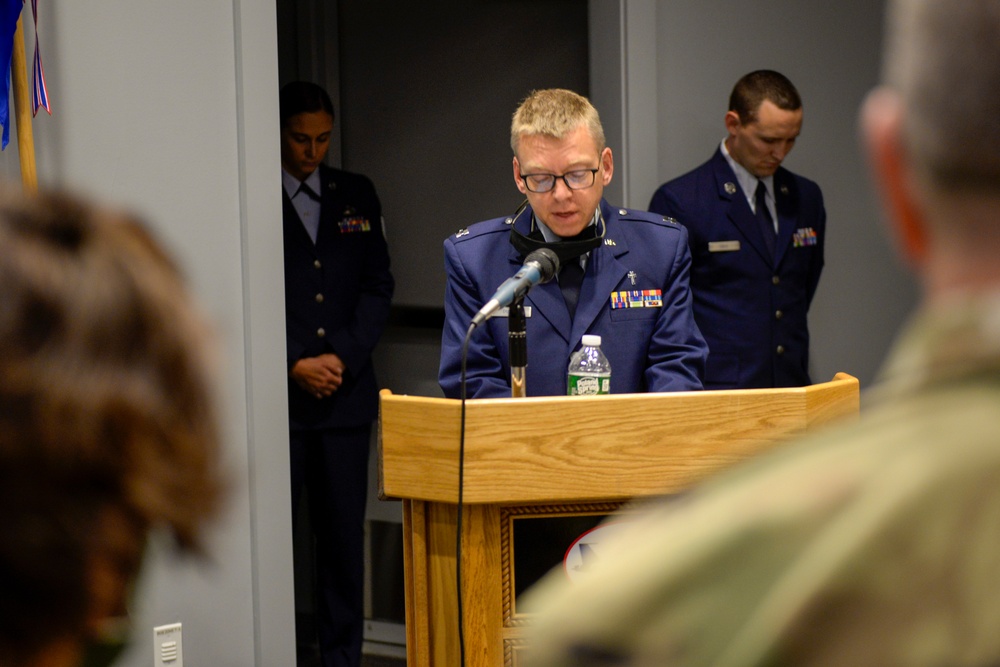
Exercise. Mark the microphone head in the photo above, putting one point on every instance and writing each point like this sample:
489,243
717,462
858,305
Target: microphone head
547,261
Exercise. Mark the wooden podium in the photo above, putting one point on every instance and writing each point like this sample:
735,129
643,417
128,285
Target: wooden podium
551,458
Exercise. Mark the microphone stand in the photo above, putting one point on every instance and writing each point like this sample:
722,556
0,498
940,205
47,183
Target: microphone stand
517,348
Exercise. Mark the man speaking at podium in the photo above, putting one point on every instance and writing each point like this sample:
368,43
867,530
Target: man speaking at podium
623,274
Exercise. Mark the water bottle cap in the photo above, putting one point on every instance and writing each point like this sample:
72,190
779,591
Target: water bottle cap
591,340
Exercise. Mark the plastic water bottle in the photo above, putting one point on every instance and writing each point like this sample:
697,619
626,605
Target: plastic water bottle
589,370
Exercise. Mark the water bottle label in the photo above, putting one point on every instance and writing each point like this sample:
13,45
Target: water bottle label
588,385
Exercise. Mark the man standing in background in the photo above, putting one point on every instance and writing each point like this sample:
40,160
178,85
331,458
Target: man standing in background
337,293
757,233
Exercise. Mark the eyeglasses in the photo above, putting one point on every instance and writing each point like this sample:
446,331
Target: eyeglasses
578,179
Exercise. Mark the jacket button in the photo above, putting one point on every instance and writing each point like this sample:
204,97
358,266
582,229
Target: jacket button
777,314
321,332
775,280
780,350
318,264
319,299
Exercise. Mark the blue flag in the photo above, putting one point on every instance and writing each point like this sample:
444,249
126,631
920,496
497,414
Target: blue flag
10,10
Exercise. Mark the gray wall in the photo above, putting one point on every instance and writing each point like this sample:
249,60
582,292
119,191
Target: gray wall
171,108
425,112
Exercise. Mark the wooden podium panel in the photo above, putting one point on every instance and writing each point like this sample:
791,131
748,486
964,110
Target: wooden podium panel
580,456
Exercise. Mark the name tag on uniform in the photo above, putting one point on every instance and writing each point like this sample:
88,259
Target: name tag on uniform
354,224
505,312
723,246
647,298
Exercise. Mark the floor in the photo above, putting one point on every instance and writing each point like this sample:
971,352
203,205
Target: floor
366,661
379,661
308,651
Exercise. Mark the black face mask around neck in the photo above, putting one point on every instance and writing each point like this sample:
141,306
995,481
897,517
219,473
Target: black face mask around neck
567,249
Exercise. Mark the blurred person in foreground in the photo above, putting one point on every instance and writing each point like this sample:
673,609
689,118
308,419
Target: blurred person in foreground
879,543
107,430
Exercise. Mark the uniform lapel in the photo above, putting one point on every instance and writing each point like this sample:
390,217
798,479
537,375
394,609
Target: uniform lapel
738,210
786,202
604,273
329,199
546,300
292,222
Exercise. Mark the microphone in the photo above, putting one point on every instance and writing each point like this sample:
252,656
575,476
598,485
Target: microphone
539,267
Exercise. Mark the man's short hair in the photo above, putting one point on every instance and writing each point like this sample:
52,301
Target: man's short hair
302,97
764,84
943,58
555,112
107,425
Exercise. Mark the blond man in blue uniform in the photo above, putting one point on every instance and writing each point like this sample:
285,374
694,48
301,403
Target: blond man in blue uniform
631,284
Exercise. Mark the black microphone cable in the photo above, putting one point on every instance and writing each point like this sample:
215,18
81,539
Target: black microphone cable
461,498
553,259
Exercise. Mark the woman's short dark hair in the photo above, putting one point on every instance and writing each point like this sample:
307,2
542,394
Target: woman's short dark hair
302,97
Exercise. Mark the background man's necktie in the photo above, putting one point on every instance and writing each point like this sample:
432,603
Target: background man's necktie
764,215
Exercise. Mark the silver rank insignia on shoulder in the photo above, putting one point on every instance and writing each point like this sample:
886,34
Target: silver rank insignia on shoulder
730,188
462,232
609,242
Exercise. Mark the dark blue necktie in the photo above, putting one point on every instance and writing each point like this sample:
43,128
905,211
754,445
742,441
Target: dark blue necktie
570,278
764,215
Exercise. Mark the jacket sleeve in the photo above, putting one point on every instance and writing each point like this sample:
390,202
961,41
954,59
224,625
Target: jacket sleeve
677,351
816,269
485,374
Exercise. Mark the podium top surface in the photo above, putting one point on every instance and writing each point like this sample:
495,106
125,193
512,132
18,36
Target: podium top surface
589,448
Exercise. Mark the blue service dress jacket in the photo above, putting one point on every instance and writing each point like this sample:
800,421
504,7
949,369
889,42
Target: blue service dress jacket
337,296
750,300
634,294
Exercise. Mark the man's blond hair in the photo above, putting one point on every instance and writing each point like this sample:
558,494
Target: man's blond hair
555,112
